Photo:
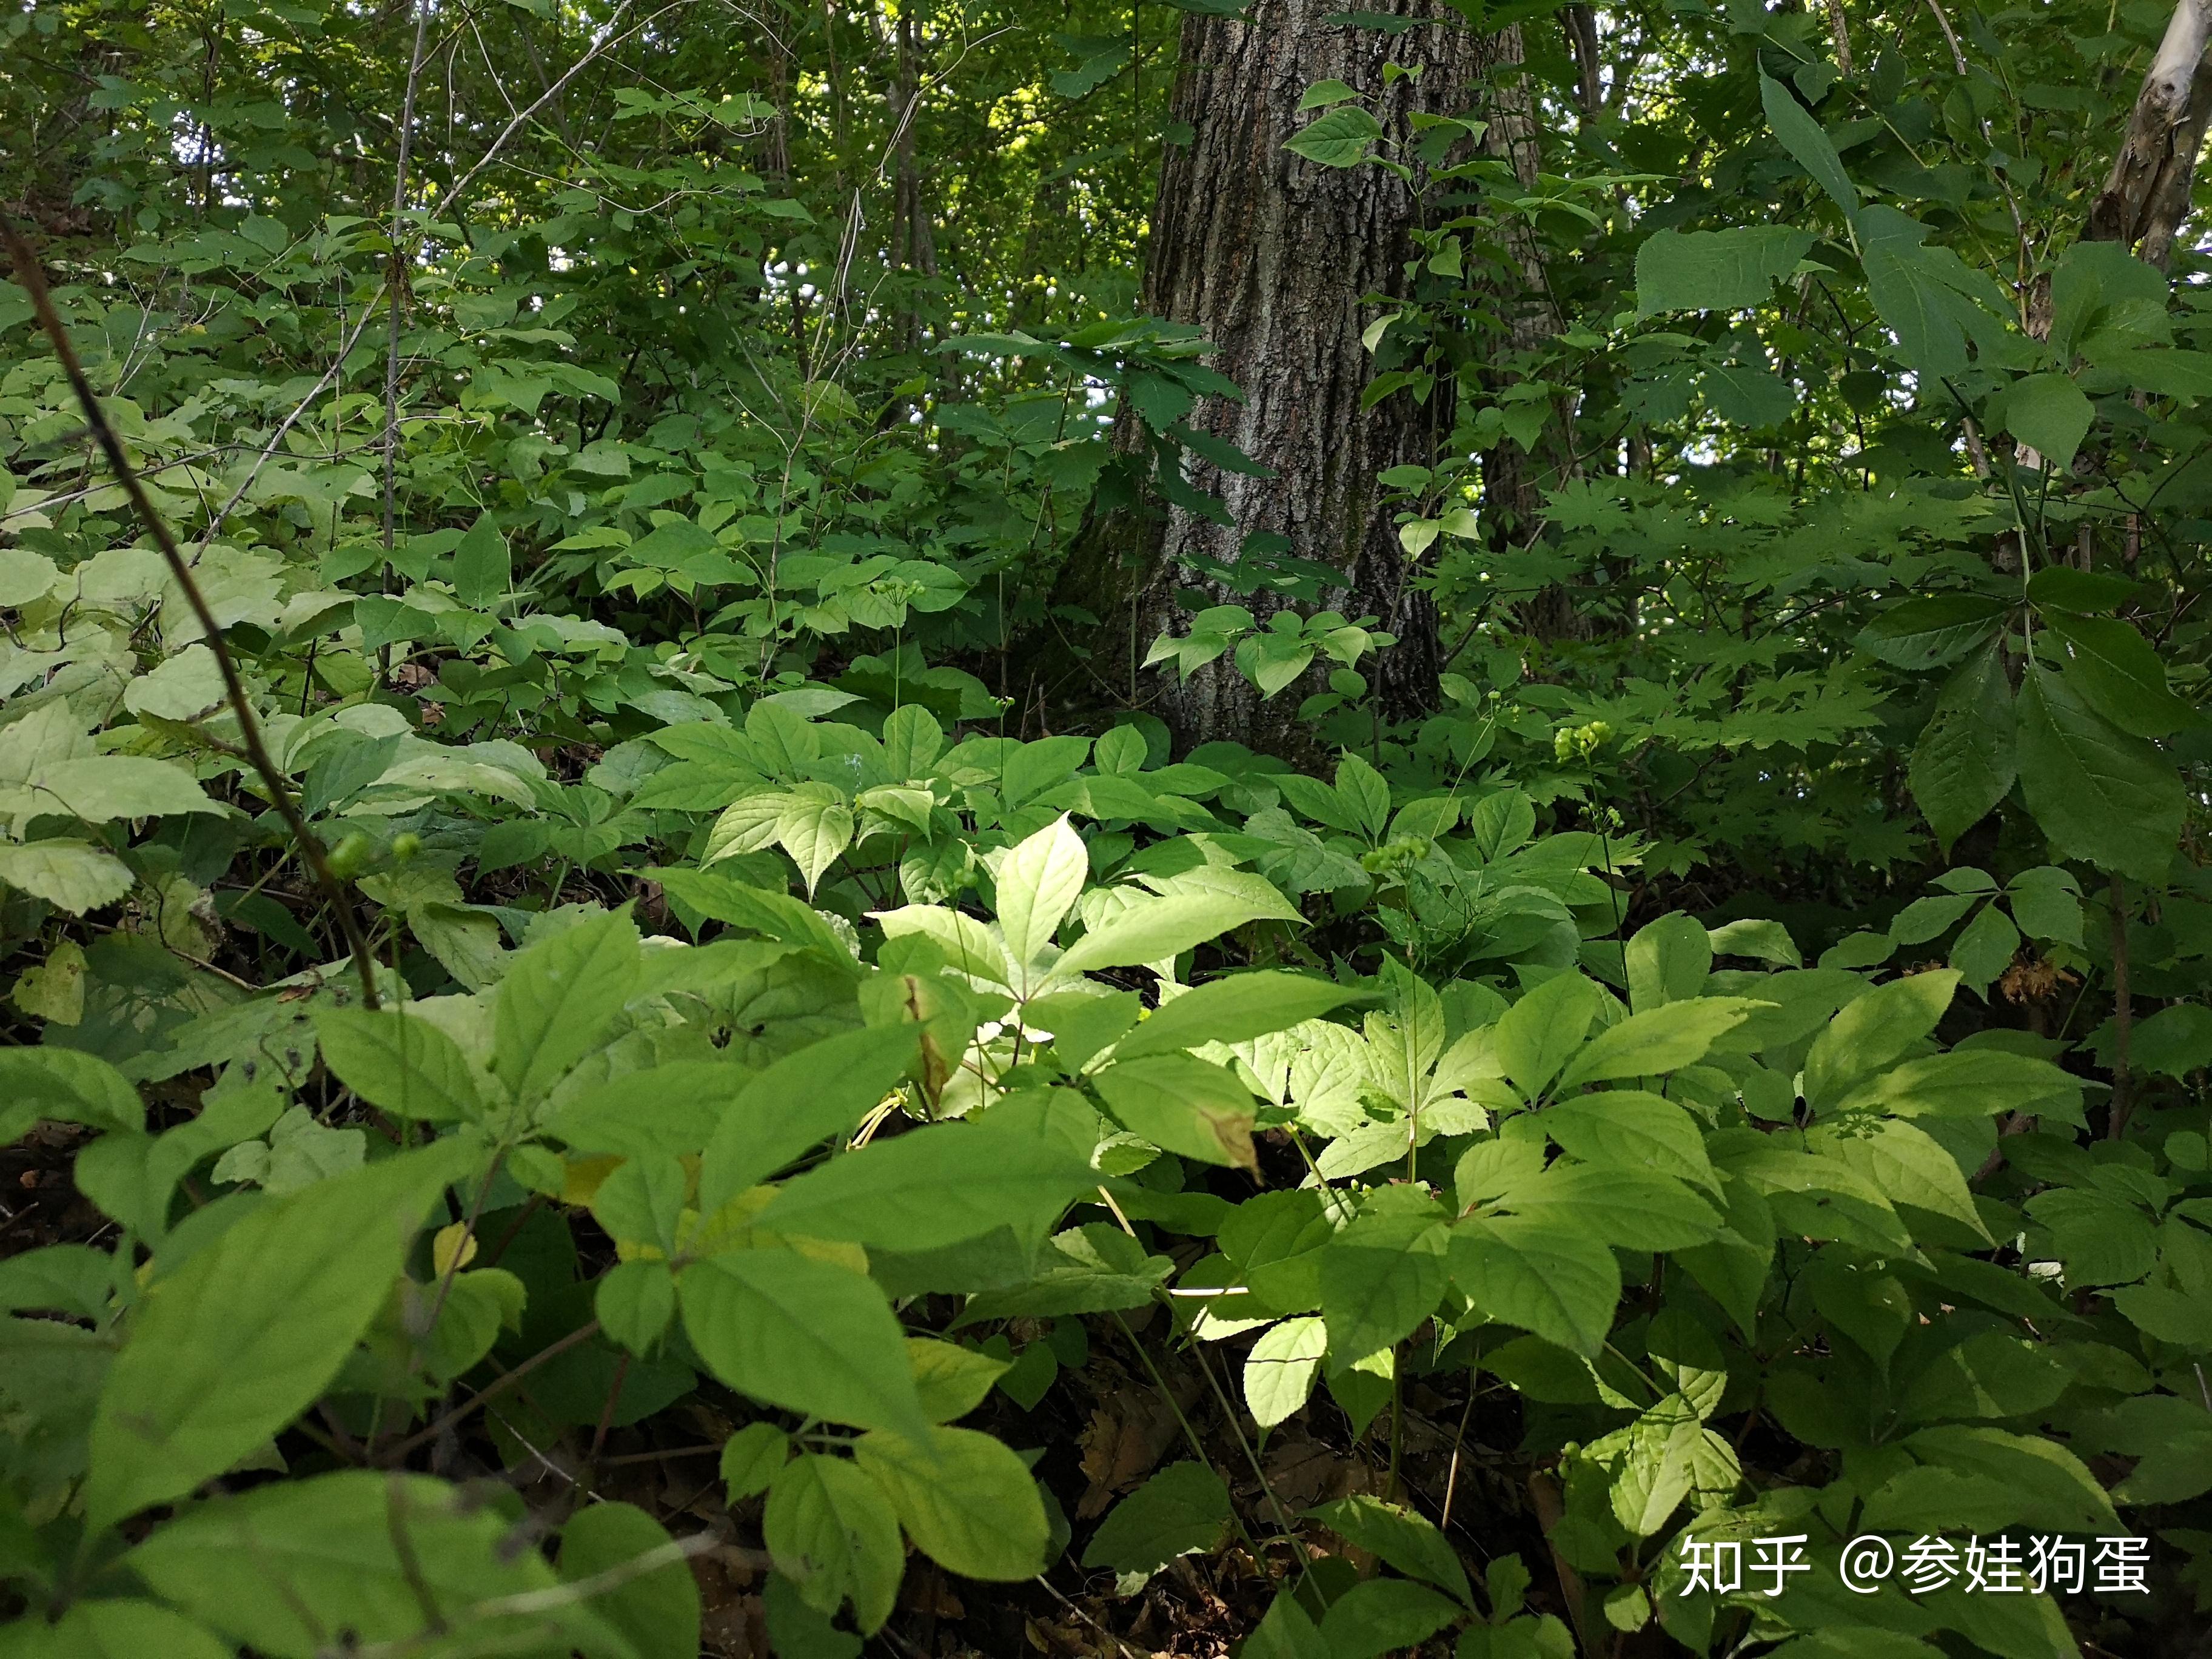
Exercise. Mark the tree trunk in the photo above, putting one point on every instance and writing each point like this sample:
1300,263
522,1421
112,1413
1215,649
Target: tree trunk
2147,197
1272,255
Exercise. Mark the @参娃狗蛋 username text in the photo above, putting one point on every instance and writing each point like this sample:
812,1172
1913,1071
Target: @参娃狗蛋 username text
2002,1565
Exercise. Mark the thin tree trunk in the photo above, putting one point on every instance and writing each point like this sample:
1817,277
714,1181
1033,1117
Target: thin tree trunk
1271,255
2147,197
916,246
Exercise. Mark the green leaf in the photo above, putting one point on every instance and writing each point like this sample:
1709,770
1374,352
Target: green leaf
113,1630
1632,1127
387,1557
2062,587
70,875
952,1380
186,686
1555,1281
938,1186
1399,1536
1096,1268
1873,1031
1286,1632
775,915
2054,1489
1536,1036
558,1000
1619,1204
1808,146
1038,885
1715,269
967,1501
1984,948
1281,1369
102,788
1380,1278
1156,929
802,1334
1965,762
1234,1009
398,1061
1184,1508
751,1458
226,1351
1384,1615
1926,632
659,1610
2099,793
823,1090
1322,95
1337,139
1732,1269
2048,412
2175,1041
1361,787
1663,1039
634,1300
1907,1166
832,1531
912,741
67,1086
814,828
1182,1104
1669,961
1970,1083
2118,675
483,567
662,1111
1745,395
1928,296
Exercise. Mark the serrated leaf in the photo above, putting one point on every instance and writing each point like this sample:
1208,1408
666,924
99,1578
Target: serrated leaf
1553,1280
1337,139
398,1061
1715,269
1183,1508
802,1334
1038,885
967,1501
2098,793
1182,1104
1234,1009
1156,929
558,1000
1281,1369
1966,761
1663,1039
1632,1127
244,1336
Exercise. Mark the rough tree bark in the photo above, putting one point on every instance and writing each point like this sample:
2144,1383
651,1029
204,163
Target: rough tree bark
2147,197
1271,256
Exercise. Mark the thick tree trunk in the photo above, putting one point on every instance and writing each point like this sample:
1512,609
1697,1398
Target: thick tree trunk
2147,197
1272,255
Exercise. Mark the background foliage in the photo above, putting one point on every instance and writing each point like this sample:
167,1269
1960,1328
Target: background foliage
854,1132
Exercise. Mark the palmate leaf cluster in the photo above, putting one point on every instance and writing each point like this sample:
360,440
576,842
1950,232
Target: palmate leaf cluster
1745,1046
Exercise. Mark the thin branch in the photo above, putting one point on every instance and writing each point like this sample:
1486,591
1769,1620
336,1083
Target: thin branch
491,1391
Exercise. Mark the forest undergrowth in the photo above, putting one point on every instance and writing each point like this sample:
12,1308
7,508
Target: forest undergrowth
1188,831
